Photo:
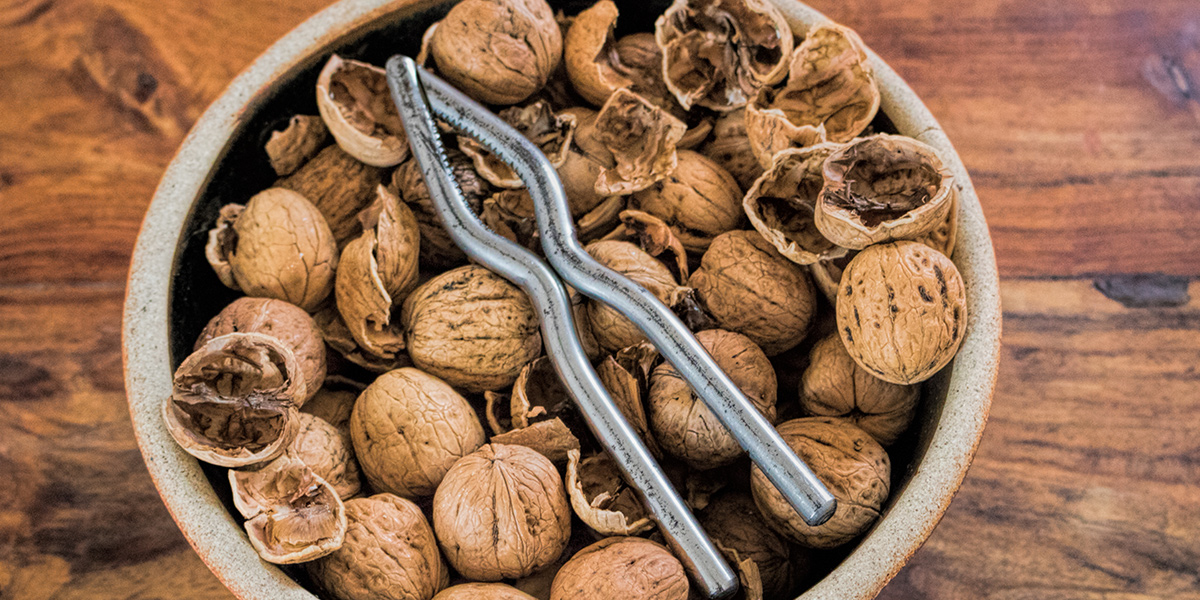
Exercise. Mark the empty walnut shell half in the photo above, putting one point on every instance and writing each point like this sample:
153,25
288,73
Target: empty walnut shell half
611,329
357,107
635,142
621,568
652,235
601,498
782,205
699,200
234,401
626,376
599,64
883,188
328,451
739,531
550,438
292,514
551,132
482,591
902,311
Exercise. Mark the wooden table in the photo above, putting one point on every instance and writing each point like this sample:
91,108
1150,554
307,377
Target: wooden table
1079,121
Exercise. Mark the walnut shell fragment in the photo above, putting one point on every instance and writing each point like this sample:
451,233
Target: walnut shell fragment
636,142
782,205
357,107
437,249
510,214
551,438
328,451
234,401
601,498
654,236
612,330
738,530
289,149
337,335
626,376
598,64
718,53
276,246
730,148
538,394
621,568
699,200
551,132
501,513
906,324
855,469
482,591
883,188
292,514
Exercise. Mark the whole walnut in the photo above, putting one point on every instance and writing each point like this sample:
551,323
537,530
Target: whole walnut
482,591
902,311
699,200
835,386
621,568
389,554
497,51
854,467
611,329
748,287
502,513
472,328
738,530
285,322
327,450
409,428
684,426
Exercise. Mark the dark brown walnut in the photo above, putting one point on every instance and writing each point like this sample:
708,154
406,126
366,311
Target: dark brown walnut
621,568
718,53
654,236
438,251
337,335
334,402
357,107
276,246
551,132
735,526
328,451
234,401
288,149
501,513
699,200
684,426
748,287
482,591
390,553
497,51
601,498
599,64
835,386
510,214
635,142
627,378
852,465
550,438
292,514
730,148
883,188
782,205
612,330
376,273
472,328
339,186
408,429
902,311
285,322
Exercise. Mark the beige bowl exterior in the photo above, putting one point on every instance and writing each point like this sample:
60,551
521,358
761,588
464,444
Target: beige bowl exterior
219,540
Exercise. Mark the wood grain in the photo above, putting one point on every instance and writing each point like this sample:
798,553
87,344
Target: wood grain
1070,116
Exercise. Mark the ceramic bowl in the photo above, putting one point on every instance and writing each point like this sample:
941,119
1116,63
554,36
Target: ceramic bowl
172,292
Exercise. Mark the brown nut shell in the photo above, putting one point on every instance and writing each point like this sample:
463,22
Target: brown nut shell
855,469
601,498
902,311
551,438
782,204
339,186
621,568
636,142
292,514
551,132
438,251
389,554
288,149
835,386
699,200
628,384
482,591
501,513
652,235
334,402
357,107
328,451
611,329
589,54
739,531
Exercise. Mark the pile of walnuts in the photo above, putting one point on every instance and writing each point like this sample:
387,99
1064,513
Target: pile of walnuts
384,406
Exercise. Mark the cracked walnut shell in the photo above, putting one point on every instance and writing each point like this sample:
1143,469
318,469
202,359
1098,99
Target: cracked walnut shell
699,200
621,568
635,142
599,64
551,132
355,103
602,499
292,514
782,205
835,386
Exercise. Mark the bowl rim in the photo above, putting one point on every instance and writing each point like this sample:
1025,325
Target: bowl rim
219,539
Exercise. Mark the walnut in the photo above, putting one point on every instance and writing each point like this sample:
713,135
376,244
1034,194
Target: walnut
883,188
601,498
612,330
551,132
292,514
409,428
730,148
718,53
598,64
482,591
621,568
497,51
699,200
327,450
835,386
782,205
289,149
501,513
276,246
355,104
737,529
281,320
339,186
635,142
437,249
234,401
472,328
748,287
853,466
334,402
684,426
902,311
389,554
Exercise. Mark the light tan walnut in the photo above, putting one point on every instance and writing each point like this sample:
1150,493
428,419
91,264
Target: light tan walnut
699,200
621,568
835,386
730,148
288,149
739,531
328,451
482,591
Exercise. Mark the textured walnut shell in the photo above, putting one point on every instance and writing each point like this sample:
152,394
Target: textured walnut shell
389,554
281,320
717,53
277,246
339,186
827,274
551,438
902,311
409,428
501,513
551,132
883,188
601,498
730,148
852,465
337,335
292,514
943,237
612,330
497,51
684,426
621,568
288,149
357,107
782,205
482,591
748,287
735,526
233,401
438,251
635,140
699,200
578,174
328,451
538,394
510,214
835,386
